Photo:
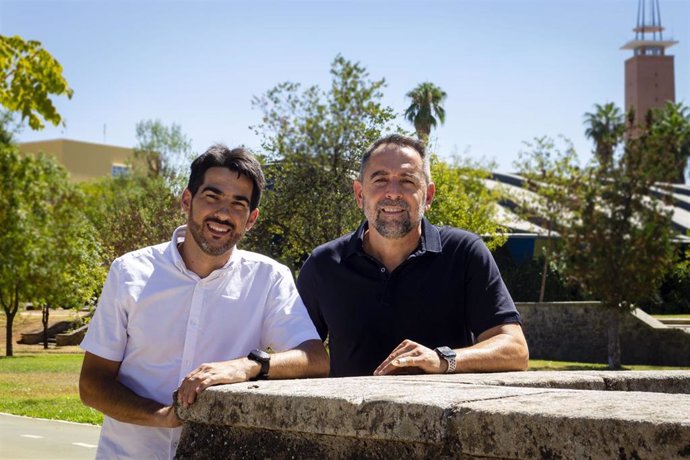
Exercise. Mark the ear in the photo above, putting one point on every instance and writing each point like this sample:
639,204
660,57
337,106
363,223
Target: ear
252,219
430,192
357,187
186,200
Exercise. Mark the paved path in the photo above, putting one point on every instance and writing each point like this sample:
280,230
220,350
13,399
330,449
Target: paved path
35,438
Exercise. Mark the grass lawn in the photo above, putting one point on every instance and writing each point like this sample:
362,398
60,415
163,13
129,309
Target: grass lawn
45,386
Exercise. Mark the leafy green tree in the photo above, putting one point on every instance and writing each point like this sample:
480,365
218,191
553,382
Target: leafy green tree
313,141
41,223
606,127
550,173
462,200
74,272
426,109
670,129
29,76
615,238
131,211
164,151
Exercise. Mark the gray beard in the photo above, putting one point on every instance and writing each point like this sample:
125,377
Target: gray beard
395,229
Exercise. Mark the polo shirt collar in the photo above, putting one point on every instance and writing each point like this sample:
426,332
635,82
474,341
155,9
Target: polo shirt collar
431,239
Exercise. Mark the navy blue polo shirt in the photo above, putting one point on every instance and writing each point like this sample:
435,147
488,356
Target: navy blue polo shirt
447,292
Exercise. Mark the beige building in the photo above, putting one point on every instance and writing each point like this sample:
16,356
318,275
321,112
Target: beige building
84,160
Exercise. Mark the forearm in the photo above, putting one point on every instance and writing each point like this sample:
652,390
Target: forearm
309,359
100,389
119,402
499,353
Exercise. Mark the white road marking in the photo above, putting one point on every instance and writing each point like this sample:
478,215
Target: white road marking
32,436
83,444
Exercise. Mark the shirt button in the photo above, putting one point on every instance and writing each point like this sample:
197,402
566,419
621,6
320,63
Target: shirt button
383,270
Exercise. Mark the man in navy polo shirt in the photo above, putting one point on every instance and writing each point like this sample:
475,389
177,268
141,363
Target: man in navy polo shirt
400,295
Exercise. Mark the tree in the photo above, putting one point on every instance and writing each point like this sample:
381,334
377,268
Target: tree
462,200
131,211
670,129
313,141
29,75
43,231
426,109
164,150
549,173
605,126
615,238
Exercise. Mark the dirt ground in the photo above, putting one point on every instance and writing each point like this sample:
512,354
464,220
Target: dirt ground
27,321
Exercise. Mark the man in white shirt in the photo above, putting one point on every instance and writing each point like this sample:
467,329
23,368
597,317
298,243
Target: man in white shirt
192,313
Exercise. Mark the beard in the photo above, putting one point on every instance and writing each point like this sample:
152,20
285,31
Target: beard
395,228
211,247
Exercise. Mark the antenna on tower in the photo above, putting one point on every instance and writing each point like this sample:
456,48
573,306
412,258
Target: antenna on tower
649,38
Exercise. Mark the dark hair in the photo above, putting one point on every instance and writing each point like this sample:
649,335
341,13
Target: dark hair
401,141
238,159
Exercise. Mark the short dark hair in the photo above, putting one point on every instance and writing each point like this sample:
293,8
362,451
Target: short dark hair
401,141
238,159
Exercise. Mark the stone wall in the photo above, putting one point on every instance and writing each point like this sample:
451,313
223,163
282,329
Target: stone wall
578,331
521,415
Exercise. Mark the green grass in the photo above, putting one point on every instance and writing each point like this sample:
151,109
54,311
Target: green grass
672,316
44,386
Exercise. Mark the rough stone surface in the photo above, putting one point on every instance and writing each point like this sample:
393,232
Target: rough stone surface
547,415
578,331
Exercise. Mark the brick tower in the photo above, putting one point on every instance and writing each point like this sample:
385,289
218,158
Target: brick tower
649,74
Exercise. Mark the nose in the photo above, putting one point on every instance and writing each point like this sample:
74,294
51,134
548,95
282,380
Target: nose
393,189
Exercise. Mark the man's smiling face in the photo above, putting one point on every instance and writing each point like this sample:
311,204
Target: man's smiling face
394,193
218,214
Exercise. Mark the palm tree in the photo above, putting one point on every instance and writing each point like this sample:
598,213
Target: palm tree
426,109
606,127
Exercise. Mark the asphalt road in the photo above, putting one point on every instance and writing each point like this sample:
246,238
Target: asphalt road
34,438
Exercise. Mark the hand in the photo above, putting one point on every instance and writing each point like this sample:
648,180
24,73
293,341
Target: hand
206,375
409,355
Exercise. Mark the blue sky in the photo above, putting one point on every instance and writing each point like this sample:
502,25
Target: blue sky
513,69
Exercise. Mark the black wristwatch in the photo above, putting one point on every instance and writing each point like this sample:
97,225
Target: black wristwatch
449,355
262,358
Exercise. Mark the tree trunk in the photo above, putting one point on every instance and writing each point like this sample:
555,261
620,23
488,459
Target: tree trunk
8,336
10,307
44,319
614,347
547,253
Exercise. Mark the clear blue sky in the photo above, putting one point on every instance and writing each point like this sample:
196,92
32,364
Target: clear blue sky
513,69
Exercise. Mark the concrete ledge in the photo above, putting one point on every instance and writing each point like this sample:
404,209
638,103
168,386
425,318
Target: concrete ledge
513,415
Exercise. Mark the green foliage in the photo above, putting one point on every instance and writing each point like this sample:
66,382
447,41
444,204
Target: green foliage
29,75
163,151
606,127
131,211
616,240
313,141
670,132
463,201
50,256
549,173
426,109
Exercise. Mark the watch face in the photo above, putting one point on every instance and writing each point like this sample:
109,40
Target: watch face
260,356
446,352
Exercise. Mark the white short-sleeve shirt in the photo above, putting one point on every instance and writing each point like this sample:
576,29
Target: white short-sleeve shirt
161,321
